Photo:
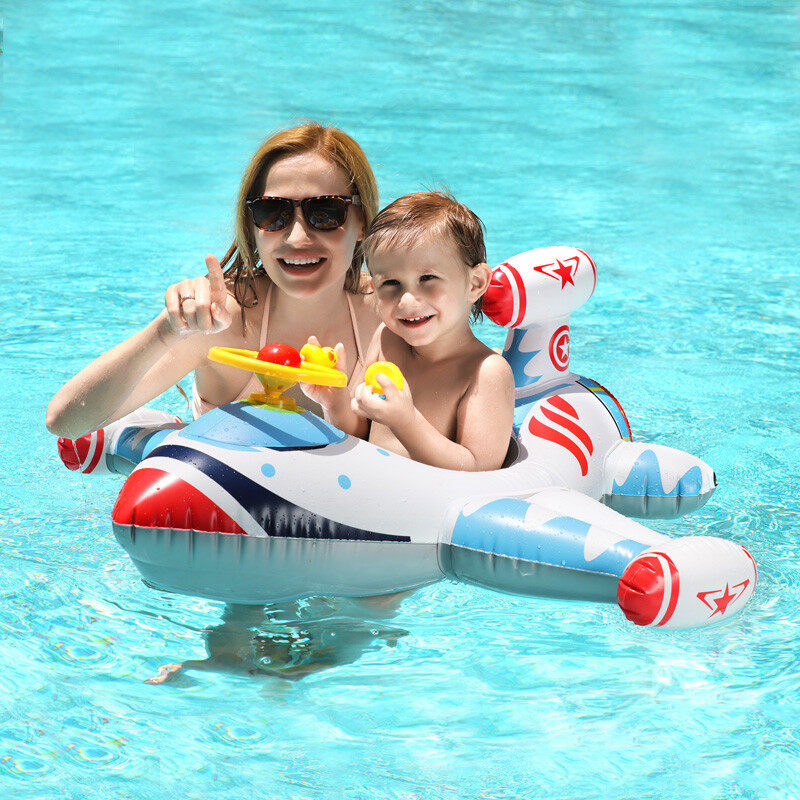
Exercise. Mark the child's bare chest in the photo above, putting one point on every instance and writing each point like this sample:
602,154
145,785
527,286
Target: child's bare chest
437,392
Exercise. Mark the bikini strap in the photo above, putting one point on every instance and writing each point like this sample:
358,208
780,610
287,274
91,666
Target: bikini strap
253,384
265,318
355,327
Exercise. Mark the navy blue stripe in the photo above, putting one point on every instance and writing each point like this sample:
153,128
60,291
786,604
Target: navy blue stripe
277,516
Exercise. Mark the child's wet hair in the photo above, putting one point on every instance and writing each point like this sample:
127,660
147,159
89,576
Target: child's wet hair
422,216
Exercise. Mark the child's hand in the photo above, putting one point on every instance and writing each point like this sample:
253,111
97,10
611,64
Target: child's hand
328,396
395,411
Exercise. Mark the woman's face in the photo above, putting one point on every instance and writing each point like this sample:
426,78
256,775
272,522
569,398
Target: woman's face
300,260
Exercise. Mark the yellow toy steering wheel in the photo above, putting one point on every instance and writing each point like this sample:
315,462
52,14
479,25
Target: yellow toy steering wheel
277,378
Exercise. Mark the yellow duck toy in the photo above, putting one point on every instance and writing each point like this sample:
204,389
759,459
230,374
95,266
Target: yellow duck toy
326,357
320,356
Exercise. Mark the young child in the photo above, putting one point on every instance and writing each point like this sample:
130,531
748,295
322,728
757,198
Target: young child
426,255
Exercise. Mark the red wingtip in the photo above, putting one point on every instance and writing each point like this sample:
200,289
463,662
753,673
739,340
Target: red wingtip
68,454
641,589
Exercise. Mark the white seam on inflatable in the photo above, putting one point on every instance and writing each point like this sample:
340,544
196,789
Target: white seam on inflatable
90,455
665,600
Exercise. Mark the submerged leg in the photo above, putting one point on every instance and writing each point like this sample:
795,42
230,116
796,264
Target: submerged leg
166,673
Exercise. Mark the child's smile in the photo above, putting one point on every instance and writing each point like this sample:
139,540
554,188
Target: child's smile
455,407
415,322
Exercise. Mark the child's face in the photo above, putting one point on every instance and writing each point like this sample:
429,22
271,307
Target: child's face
425,291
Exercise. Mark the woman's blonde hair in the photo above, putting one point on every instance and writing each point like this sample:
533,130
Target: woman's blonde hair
241,262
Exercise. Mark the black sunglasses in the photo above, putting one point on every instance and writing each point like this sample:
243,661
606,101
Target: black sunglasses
325,213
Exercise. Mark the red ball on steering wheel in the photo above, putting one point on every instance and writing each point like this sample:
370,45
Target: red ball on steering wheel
279,353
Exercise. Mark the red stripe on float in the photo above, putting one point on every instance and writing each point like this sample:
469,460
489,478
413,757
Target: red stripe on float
640,591
641,588
523,303
82,444
594,268
67,454
498,302
574,429
562,405
98,449
619,406
543,432
755,566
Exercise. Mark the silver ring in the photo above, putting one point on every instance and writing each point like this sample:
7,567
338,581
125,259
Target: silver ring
187,297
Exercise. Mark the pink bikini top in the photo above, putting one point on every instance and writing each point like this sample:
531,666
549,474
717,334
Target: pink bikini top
200,405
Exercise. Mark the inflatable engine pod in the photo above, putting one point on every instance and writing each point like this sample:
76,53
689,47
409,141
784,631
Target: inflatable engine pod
255,503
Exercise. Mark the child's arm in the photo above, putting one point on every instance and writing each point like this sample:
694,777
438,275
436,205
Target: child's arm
485,418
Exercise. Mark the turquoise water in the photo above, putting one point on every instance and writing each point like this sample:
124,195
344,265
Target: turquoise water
660,137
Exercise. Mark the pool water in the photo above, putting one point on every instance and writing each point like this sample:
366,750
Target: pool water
662,138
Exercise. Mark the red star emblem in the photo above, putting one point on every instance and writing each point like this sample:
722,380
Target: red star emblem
564,270
565,273
724,598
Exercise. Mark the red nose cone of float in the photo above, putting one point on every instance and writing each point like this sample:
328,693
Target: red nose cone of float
152,498
498,301
648,589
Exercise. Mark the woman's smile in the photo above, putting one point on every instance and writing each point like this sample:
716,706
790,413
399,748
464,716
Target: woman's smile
296,264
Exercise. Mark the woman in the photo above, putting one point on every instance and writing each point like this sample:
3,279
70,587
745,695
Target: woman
293,270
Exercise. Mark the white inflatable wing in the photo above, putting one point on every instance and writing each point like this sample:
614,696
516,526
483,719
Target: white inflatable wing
572,423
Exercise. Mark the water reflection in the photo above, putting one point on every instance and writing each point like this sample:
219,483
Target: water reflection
294,639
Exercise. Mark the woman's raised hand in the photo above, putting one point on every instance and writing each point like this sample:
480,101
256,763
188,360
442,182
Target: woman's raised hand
199,304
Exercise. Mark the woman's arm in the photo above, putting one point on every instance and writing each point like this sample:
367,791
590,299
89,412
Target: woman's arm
345,416
339,413
124,378
147,364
